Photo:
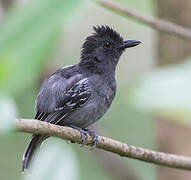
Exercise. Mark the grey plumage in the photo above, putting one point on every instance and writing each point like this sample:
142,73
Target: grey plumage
79,95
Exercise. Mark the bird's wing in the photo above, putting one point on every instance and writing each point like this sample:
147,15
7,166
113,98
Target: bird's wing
73,95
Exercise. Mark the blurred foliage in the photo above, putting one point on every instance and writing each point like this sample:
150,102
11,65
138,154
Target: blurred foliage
28,36
165,91
8,112
54,162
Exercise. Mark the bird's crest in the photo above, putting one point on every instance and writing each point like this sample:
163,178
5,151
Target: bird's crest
106,31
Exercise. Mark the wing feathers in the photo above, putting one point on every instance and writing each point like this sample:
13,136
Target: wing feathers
74,95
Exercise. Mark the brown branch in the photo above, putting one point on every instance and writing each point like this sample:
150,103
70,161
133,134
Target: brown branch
122,149
158,24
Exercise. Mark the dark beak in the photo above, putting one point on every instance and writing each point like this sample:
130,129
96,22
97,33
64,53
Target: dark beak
129,44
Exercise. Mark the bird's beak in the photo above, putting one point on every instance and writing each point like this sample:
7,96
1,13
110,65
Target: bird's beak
129,44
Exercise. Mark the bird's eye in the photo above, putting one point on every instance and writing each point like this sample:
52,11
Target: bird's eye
107,44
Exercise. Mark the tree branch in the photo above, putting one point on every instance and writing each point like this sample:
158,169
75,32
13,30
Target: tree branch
158,24
125,150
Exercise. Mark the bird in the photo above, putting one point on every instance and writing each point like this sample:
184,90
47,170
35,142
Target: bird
79,95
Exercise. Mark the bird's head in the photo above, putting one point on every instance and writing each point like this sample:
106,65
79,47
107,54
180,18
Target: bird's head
104,47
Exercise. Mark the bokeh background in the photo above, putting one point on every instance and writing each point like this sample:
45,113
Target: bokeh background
152,108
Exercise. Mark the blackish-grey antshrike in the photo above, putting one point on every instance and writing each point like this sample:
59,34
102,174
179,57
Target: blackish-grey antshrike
79,95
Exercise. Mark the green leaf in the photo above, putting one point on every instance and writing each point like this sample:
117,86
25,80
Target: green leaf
28,36
165,91
8,113
56,161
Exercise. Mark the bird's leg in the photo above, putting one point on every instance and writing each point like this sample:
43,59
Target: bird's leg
94,134
82,131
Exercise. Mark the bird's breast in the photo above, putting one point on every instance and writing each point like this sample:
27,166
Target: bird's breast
102,95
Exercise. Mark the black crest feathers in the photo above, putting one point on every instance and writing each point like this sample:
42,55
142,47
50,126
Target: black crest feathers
106,31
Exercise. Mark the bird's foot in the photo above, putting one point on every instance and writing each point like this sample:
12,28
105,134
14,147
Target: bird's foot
82,132
94,134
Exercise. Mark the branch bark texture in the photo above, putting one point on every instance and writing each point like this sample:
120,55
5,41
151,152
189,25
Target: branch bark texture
158,24
122,149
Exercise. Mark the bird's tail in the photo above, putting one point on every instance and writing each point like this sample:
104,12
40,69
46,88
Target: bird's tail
31,149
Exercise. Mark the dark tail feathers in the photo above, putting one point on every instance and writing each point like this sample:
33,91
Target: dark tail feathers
31,149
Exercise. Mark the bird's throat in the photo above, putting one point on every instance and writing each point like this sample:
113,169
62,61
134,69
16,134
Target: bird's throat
96,65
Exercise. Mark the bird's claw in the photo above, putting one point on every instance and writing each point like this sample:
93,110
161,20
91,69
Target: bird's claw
83,136
82,132
95,136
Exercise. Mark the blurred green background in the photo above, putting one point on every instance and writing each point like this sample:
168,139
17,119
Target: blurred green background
39,36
